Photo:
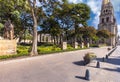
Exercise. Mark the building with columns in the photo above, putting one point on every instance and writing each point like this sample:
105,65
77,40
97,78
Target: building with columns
107,21
44,38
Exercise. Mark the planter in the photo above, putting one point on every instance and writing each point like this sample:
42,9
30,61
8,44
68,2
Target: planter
108,49
89,57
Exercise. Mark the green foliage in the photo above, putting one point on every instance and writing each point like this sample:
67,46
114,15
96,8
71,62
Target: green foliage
69,47
94,45
48,49
1,26
87,32
95,38
103,34
1,29
44,49
12,9
80,13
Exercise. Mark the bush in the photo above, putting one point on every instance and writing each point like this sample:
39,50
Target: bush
22,49
89,57
69,47
102,45
48,49
108,49
94,45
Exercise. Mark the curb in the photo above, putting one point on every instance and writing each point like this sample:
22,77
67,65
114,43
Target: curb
111,51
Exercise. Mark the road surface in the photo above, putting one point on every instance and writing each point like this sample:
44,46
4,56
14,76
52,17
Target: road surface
62,67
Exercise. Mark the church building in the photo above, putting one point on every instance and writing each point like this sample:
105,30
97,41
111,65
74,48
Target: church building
107,21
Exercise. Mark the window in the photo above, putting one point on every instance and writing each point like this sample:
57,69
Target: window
102,20
107,19
106,11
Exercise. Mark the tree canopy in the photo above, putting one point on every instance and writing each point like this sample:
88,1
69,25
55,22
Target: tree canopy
52,16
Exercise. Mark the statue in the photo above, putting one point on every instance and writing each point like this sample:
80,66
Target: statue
8,30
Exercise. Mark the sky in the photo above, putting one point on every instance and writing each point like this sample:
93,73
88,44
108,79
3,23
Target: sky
95,6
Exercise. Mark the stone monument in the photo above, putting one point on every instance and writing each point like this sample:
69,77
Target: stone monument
64,45
7,44
8,30
75,45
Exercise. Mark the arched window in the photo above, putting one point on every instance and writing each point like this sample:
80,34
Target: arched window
106,11
102,20
107,19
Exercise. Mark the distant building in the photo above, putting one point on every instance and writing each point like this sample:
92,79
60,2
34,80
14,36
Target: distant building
44,37
107,21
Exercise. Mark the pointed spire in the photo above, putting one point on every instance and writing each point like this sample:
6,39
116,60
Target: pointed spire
105,2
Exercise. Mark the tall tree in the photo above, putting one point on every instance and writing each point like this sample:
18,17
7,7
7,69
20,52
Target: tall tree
52,27
47,7
33,9
80,14
63,16
103,35
12,9
87,33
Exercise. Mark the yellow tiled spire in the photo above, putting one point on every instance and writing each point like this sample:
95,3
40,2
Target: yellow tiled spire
106,1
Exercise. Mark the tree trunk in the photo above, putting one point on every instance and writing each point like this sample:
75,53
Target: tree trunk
60,40
40,37
24,36
57,40
34,42
54,40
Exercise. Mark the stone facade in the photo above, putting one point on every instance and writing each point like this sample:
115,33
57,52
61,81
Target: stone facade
7,47
107,21
44,38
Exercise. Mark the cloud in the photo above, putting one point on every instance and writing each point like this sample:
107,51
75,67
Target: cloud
119,29
95,6
75,1
96,19
116,4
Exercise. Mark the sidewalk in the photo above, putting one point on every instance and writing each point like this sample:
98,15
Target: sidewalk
109,70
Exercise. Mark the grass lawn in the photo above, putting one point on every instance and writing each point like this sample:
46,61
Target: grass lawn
42,50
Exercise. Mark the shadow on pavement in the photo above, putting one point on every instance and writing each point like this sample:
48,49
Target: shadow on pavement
115,61
115,70
80,77
79,63
100,59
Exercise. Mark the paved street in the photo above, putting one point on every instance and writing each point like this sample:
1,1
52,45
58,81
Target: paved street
61,67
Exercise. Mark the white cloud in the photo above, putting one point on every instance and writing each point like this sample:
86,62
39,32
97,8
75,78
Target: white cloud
116,4
95,6
119,29
75,1
96,19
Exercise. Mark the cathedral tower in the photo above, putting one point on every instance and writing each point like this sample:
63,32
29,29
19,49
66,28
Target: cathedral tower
107,21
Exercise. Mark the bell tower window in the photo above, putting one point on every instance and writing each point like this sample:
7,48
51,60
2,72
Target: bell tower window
107,19
102,20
